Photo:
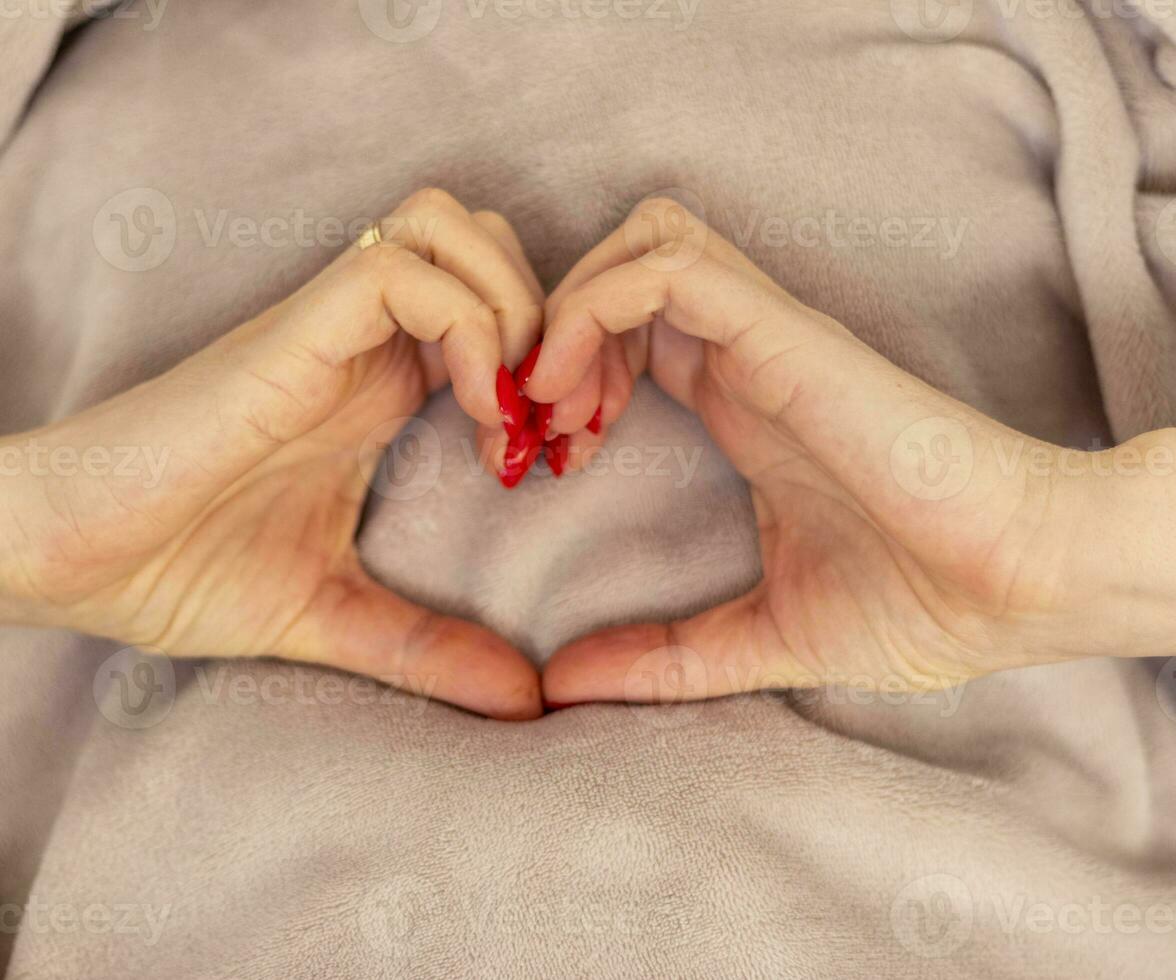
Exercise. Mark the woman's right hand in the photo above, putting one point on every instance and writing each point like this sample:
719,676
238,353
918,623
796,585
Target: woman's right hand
243,543
907,539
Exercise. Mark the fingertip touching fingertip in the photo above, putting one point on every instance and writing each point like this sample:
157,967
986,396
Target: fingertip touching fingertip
524,371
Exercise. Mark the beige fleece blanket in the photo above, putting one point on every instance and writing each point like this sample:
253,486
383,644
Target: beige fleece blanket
982,190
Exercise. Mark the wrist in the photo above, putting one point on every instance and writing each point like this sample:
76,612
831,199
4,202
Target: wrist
37,502
1122,593
19,544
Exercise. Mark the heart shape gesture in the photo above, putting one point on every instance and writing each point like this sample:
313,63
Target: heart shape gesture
900,544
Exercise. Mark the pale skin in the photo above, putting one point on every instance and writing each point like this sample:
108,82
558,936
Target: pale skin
245,547
1043,554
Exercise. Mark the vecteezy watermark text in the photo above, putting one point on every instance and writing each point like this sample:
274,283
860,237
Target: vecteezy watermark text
128,919
935,915
301,230
680,13
137,230
222,684
92,9
934,21
679,463
935,457
406,21
145,464
833,229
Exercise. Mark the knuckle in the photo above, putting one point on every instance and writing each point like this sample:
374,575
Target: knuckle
481,317
663,213
390,251
568,303
596,321
432,199
550,311
530,316
389,258
491,219
657,206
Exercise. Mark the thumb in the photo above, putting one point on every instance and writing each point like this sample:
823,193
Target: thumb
729,649
357,625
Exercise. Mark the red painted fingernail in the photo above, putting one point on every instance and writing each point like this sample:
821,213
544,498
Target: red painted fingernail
521,452
508,399
555,451
594,424
523,372
510,478
543,417
520,445
560,705
514,407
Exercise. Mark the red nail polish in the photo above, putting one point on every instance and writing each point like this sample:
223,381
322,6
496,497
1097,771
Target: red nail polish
594,424
555,451
521,452
543,417
510,478
514,407
523,372
521,445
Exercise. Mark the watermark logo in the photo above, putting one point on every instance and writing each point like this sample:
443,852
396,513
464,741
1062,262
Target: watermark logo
933,459
411,466
135,231
932,916
667,230
401,21
669,675
932,21
135,688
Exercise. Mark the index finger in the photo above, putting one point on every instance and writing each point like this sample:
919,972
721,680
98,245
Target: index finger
708,300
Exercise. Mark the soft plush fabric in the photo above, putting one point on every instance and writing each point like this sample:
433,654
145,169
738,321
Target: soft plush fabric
986,199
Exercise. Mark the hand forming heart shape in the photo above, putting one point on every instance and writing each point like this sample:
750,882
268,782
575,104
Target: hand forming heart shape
899,545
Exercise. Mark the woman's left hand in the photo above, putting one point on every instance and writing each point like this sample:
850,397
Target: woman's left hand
907,540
